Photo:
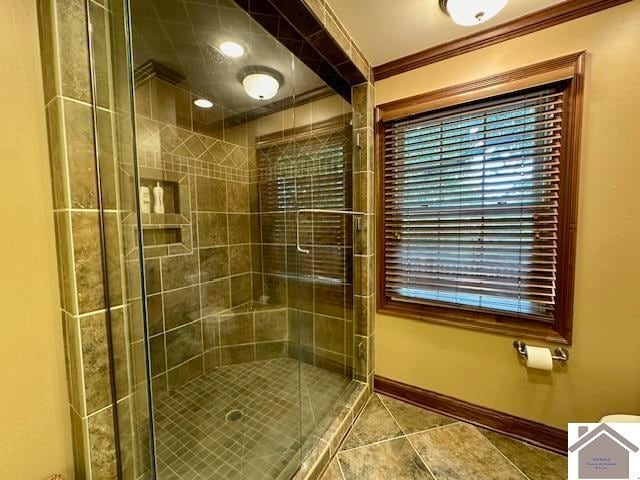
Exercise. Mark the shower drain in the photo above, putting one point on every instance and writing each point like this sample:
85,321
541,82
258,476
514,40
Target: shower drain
233,416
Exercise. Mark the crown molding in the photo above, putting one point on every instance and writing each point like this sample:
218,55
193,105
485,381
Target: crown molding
539,20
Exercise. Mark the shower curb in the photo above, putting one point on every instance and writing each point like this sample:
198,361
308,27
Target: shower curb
328,445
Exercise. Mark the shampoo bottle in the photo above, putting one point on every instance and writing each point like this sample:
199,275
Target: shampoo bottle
158,199
145,199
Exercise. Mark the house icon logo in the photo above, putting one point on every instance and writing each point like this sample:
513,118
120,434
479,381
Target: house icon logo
604,451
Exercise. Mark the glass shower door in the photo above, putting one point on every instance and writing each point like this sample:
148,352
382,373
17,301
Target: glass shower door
320,251
225,392
247,343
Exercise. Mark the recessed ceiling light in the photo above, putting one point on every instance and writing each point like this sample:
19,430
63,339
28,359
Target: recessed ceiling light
260,86
232,49
468,14
203,103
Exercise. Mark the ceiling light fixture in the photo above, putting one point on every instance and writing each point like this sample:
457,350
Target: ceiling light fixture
260,82
203,103
232,49
469,13
261,86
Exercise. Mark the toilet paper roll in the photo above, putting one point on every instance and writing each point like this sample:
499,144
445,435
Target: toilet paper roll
539,358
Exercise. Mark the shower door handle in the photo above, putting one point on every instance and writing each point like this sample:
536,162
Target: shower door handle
321,210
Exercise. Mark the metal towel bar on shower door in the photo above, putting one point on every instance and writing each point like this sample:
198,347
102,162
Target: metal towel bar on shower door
319,210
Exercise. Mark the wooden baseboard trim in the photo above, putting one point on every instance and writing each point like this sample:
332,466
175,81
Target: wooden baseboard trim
538,434
538,20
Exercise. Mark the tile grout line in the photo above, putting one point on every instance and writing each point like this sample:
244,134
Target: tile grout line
196,254
391,414
340,466
439,427
378,442
407,437
355,421
436,427
502,454
473,426
421,458
164,327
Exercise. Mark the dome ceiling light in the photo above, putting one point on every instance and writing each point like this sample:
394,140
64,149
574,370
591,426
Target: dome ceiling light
231,49
469,13
203,103
261,83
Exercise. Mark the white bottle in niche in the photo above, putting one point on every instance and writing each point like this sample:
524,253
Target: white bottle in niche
158,198
145,199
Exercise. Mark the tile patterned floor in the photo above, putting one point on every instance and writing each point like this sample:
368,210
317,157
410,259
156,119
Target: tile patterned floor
282,403
393,440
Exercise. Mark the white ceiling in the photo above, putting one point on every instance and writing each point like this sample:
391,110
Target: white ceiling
389,29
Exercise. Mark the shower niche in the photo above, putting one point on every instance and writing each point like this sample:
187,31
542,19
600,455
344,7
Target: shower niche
169,232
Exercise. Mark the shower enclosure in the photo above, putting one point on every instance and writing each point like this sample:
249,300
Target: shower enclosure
235,351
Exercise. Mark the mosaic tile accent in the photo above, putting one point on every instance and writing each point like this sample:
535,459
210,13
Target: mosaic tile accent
196,324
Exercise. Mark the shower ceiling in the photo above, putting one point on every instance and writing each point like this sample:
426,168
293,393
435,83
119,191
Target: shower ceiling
184,36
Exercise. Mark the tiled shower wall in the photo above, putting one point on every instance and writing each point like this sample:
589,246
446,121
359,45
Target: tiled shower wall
200,288
88,128
364,240
87,137
362,99
311,168
238,236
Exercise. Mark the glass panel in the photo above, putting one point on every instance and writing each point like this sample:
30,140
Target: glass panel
322,300
249,343
112,101
226,395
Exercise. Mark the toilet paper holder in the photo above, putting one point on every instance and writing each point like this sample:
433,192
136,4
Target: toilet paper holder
560,354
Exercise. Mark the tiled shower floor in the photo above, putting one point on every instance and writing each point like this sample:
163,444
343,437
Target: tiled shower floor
195,440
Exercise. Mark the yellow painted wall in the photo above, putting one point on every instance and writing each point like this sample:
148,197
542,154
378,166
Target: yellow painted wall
35,438
603,374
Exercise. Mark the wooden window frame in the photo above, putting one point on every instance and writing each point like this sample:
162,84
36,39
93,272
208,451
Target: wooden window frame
570,69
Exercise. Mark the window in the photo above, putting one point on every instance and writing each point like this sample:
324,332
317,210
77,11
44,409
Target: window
477,202
308,169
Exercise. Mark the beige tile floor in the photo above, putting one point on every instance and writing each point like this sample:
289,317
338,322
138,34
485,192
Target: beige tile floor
393,440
